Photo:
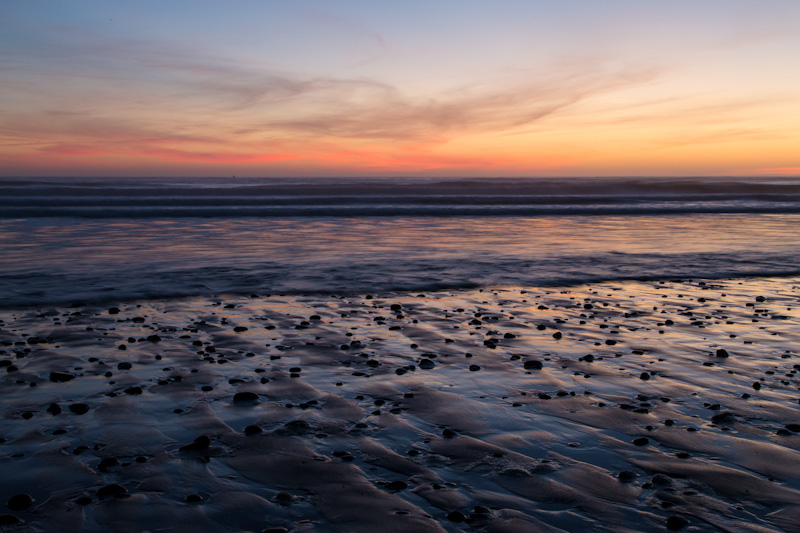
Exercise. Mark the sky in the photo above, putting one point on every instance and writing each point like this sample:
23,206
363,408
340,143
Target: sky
413,88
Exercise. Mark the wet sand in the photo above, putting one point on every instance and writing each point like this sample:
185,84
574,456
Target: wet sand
633,406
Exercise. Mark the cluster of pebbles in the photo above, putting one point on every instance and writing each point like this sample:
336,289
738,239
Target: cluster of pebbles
621,407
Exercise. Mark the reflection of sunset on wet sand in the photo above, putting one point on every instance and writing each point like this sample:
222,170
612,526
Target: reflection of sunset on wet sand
630,404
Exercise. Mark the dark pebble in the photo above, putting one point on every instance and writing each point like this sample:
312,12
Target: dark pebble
627,476
124,366
641,441
284,497
757,385
60,377
722,353
474,368
644,376
200,443
154,338
297,427
724,418
111,491
252,430
83,501
396,486
557,335
426,364
79,408
532,365
456,516
793,427
245,397
194,498
676,522
20,502
8,520
106,463
449,433
239,329
54,409
113,310
133,390
661,480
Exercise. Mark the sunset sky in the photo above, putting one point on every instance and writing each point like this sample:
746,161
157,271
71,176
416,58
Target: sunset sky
366,88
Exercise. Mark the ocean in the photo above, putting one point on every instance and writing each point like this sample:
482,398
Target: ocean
85,241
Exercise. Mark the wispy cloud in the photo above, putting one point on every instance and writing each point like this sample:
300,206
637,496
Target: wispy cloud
128,98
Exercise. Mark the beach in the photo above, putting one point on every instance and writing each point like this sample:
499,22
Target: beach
613,406
373,267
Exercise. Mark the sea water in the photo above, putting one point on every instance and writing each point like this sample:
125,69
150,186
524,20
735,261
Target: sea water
70,240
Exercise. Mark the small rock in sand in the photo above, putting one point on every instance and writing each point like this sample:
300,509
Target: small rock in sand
284,498
676,522
8,520
20,502
200,443
725,417
245,397
396,486
79,408
106,463
60,377
111,491
252,430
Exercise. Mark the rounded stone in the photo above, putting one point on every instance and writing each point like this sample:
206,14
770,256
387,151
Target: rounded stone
111,491
676,522
20,502
245,397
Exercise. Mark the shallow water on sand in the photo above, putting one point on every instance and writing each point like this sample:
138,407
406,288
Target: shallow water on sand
62,261
596,407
